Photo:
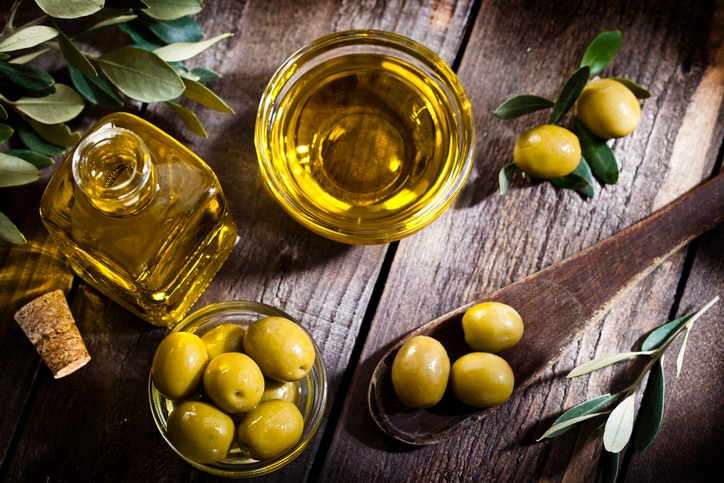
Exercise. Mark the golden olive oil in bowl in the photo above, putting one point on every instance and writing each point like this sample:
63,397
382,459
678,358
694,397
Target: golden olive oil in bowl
365,136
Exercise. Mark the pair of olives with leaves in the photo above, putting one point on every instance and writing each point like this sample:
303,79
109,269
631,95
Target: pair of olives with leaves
234,385
606,108
421,370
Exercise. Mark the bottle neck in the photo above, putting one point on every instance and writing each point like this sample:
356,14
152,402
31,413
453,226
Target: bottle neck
112,166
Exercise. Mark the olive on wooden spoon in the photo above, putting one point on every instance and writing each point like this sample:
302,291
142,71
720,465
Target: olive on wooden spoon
557,305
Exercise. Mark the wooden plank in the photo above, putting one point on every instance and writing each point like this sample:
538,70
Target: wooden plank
485,242
103,409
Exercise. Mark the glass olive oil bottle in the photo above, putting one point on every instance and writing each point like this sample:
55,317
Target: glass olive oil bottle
140,217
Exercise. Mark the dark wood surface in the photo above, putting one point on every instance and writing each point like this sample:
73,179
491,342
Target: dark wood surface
95,425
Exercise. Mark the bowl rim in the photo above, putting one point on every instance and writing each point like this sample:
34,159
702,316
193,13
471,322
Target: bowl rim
461,113
316,406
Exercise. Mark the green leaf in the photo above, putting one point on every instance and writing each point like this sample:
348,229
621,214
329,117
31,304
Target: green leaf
126,4
73,56
63,105
26,59
27,37
94,89
580,180
189,118
141,36
609,467
638,91
580,412
184,29
3,112
600,52
181,51
661,335
505,176
682,350
6,131
522,104
56,134
204,75
70,8
27,77
198,92
172,9
116,20
141,75
619,425
570,92
34,141
9,232
599,155
15,171
651,411
38,160
605,361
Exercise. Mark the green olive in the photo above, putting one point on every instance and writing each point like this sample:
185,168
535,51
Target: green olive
200,431
271,429
420,372
282,349
547,151
481,379
286,391
234,382
608,109
492,327
224,338
178,365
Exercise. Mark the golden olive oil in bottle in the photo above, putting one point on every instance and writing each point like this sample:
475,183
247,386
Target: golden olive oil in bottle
140,217
365,137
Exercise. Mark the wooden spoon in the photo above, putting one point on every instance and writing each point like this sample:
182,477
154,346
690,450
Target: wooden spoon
557,304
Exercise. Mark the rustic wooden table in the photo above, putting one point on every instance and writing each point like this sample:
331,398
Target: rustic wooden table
95,425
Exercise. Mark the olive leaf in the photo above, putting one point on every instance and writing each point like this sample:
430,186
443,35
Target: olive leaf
651,411
172,9
198,92
204,75
70,8
601,50
38,160
94,89
25,59
189,118
619,425
598,153
658,337
184,29
26,77
27,37
73,56
609,467
34,141
580,180
605,361
141,75
570,92
580,412
9,232
3,112
6,131
117,20
61,106
15,171
522,104
185,50
127,4
505,176
56,134
637,90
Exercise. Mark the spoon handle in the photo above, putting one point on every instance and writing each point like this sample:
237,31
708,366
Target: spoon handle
557,305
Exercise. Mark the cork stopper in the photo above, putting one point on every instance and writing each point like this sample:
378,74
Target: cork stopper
49,325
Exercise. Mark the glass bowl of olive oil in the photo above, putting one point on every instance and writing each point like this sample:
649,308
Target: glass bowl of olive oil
365,136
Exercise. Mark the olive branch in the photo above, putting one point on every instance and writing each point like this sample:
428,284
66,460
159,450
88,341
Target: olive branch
621,425
597,158
35,108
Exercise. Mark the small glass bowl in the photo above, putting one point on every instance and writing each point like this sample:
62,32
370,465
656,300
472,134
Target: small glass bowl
312,390
364,136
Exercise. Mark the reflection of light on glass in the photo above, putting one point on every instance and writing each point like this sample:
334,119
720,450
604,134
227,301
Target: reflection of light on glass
336,133
395,164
